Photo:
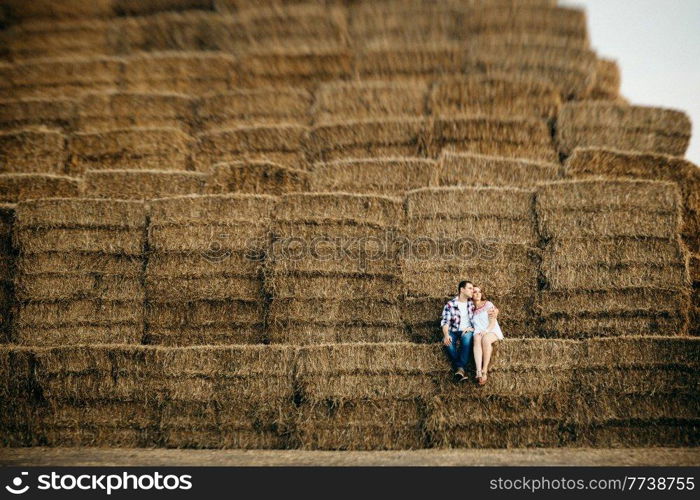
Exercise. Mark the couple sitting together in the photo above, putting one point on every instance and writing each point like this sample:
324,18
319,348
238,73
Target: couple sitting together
469,324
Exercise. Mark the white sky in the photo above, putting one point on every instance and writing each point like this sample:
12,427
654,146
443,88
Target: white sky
657,45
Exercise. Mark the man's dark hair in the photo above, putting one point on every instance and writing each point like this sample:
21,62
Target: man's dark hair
462,284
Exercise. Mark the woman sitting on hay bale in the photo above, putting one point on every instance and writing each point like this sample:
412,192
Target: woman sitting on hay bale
486,333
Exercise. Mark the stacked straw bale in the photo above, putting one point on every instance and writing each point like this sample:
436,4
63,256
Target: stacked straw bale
16,396
527,402
32,150
62,77
333,273
486,235
79,271
124,110
142,184
609,163
281,143
193,73
20,187
388,137
256,177
608,124
340,101
365,396
607,81
139,7
414,61
613,263
131,149
494,96
258,106
204,280
296,66
638,391
523,138
468,169
37,111
7,269
197,397
381,176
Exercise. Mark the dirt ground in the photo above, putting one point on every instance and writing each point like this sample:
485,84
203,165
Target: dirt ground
518,457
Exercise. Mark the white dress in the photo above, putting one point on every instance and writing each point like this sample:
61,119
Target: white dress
481,320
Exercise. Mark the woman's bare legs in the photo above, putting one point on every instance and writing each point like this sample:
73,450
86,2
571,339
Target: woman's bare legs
478,353
487,341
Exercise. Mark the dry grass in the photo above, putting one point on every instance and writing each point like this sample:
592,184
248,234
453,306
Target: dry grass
38,111
32,150
142,184
20,187
256,177
83,213
415,61
607,80
611,125
381,211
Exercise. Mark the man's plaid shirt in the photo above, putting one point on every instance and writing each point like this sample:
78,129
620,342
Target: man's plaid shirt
451,315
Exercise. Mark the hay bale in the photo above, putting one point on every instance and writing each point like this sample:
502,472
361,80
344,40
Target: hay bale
596,162
494,96
131,148
304,67
204,288
80,263
82,213
20,187
267,106
79,313
613,326
213,242
142,184
279,143
523,138
65,286
673,275
386,176
468,169
625,433
365,311
379,211
105,240
256,177
340,101
79,335
184,336
62,77
618,126
641,352
232,263
415,61
204,313
185,210
21,10
607,80
128,110
32,150
191,73
138,7
368,139
513,433
316,285
35,112
314,334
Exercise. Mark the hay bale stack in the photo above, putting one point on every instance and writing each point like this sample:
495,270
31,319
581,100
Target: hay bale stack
296,66
195,397
638,391
423,62
20,187
304,25
607,80
122,110
130,148
43,39
193,73
333,273
365,396
527,402
16,396
468,169
620,126
342,101
486,235
139,7
7,269
62,77
389,137
32,150
280,143
259,106
494,96
79,271
142,184
21,10
256,177
610,246
387,176
608,163
35,112
204,281
523,138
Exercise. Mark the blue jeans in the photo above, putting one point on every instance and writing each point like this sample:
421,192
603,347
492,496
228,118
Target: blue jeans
459,355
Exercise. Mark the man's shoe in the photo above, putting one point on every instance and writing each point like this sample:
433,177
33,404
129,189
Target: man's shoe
459,374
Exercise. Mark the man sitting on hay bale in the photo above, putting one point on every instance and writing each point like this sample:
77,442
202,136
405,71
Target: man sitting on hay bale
458,327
